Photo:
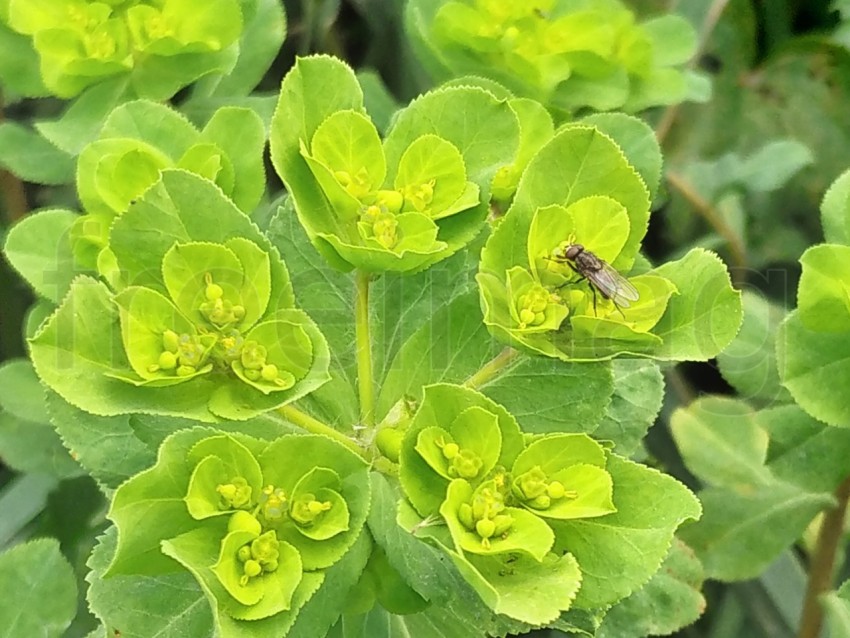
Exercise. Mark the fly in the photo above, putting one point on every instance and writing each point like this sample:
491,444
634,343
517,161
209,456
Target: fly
600,275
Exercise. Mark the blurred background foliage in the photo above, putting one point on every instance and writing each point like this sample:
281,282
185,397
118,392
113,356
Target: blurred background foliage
745,173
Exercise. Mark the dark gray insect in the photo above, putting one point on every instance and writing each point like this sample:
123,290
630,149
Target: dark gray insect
600,275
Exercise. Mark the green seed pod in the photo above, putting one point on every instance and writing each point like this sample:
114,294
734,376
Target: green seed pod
503,523
252,568
389,441
170,340
526,316
555,490
464,515
269,372
542,502
244,554
185,371
451,450
167,360
244,521
213,292
485,528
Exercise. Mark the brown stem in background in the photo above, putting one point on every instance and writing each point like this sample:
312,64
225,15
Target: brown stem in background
738,251
711,19
12,188
822,563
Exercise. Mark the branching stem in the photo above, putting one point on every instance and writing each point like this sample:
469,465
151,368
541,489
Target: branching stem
712,17
314,426
822,564
492,368
737,250
364,350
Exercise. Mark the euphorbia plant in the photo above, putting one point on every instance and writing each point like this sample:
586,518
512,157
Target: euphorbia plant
435,440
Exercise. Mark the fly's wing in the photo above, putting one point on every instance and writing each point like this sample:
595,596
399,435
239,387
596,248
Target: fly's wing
613,285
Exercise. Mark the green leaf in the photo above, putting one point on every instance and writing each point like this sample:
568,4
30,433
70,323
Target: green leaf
637,141
240,134
721,442
527,533
810,365
128,601
42,592
314,89
81,344
668,602
107,447
326,296
82,120
704,318
523,588
19,64
742,532
288,459
552,396
28,443
152,123
380,103
804,451
837,606
324,607
456,610
347,141
774,165
432,159
749,362
442,405
32,158
578,162
673,38
151,507
194,551
262,37
835,211
620,552
219,460
823,296
638,393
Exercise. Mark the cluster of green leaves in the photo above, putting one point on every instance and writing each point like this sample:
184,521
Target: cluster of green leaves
162,45
567,55
447,493
581,188
257,523
772,460
198,321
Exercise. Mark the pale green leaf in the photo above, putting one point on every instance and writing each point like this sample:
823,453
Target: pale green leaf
835,211
749,362
638,393
670,601
811,365
620,552
721,442
803,450
741,532
40,598
32,158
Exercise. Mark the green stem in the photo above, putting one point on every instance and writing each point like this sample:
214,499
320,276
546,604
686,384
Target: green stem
822,564
314,426
492,368
364,350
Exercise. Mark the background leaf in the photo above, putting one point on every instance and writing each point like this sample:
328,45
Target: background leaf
42,602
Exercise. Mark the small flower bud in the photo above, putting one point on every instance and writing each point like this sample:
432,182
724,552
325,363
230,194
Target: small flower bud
243,554
185,371
464,515
269,372
555,490
252,568
170,341
485,528
213,292
167,360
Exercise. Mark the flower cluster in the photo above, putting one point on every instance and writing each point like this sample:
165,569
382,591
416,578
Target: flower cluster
273,515
139,140
567,55
81,42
